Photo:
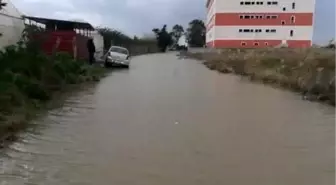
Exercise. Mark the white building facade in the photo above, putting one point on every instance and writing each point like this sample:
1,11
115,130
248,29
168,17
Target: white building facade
11,24
259,23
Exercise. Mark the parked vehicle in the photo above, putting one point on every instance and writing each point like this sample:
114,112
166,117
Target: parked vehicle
182,43
117,56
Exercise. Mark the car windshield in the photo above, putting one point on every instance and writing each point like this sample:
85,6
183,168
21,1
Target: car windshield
119,50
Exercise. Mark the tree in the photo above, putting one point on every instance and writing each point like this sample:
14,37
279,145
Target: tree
196,33
164,39
177,32
113,36
133,44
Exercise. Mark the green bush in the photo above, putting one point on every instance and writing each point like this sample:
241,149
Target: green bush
28,78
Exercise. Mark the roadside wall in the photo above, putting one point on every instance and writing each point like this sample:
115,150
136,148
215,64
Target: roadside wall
98,41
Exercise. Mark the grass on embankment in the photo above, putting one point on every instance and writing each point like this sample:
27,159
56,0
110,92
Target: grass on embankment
29,79
309,71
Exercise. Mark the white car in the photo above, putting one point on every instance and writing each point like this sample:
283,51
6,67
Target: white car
117,56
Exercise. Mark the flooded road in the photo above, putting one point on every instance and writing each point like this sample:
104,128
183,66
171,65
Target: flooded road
174,122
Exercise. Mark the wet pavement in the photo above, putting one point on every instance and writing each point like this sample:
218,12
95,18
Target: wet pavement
167,121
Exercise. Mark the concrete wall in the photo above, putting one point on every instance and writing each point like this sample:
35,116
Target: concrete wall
210,35
98,41
211,11
11,25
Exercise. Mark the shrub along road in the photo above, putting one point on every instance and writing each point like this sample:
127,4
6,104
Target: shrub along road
29,79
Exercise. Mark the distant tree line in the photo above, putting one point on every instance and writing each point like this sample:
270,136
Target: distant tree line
134,44
118,38
195,35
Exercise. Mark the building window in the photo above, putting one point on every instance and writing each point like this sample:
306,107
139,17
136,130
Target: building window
243,43
283,22
251,30
293,19
256,43
291,33
293,5
284,9
270,30
272,2
251,2
266,43
258,16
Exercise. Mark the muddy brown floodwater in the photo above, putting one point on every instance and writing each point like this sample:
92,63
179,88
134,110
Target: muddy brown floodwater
174,122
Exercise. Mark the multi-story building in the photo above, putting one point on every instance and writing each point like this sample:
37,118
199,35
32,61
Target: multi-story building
259,23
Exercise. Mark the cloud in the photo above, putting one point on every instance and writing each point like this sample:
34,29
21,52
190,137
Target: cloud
140,16
131,16
93,18
59,4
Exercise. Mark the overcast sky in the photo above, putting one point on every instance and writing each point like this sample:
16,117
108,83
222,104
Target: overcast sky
137,17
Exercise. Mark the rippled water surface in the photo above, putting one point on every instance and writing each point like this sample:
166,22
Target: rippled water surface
173,122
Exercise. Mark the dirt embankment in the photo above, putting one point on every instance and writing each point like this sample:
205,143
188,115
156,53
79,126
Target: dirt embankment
308,71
